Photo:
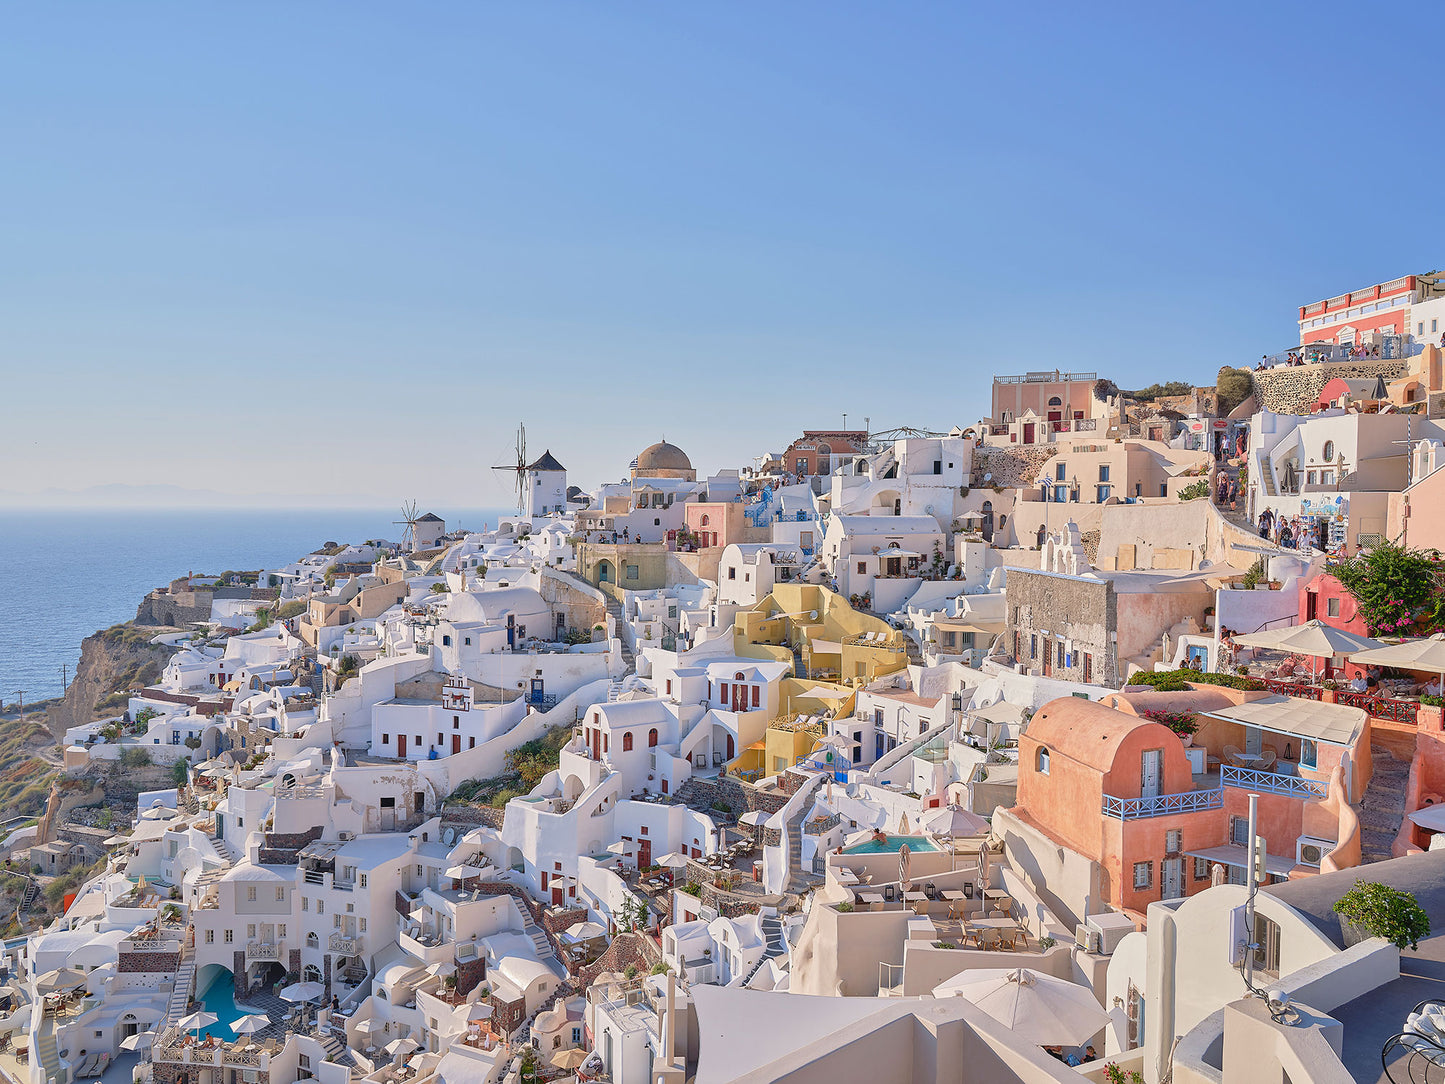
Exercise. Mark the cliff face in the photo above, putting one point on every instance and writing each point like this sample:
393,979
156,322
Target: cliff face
112,661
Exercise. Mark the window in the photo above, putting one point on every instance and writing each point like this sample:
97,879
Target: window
862,568
1239,831
1055,401
1033,646
228,937
1143,874
456,722
627,742
1088,668
1332,607
386,739
1102,493
446,641
281,930
362,923
321,904
363,880
210,937
938,466
1173,841
1309,754
1059,472
468,641
652,737
632,572
1329,450
250,931
732,573
1061,494
305,903
281,894
1434,326
1041,761
1201,869
1103,472
250,893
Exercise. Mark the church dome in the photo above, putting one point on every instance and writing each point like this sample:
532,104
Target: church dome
663,456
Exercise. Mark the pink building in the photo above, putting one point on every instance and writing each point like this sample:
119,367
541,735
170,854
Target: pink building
1054,397
1384,307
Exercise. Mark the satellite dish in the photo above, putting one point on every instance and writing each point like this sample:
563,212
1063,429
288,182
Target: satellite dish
928,509
987,476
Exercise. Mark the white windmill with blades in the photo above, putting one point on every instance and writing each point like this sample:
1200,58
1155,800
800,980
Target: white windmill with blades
409,520
519,469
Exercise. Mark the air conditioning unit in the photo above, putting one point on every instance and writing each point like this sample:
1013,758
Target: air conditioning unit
1087,938
1112,927
1309,850
346,837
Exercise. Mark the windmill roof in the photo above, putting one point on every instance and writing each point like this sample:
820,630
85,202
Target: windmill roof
547,462
430,518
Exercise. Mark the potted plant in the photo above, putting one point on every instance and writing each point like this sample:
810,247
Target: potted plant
1371,909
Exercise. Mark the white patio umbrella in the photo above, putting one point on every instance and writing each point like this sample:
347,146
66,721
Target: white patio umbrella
1313,638
400,1047
953,821
63,978
1039,1008
441,967
620,847
673,860
480,1010
197,1020
753,817
302,992
141,1040
1424,654
584,931
461,873
905,856
251,1023
1430,817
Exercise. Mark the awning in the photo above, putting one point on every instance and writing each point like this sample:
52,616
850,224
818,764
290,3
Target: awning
823,692
898,553
825,647
1337,724
1430,817
1232,854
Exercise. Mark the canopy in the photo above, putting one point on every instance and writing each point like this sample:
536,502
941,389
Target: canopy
197,1020
1427,654
141,1040
1338,724
898,553
461,873
399,1047
754,817
302,991
251,1023
1313,638
1430,817
953,821
480,1010
568,1060
64,978
673,860
583,931
1038,1008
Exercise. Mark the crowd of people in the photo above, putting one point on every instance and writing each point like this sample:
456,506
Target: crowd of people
1293,532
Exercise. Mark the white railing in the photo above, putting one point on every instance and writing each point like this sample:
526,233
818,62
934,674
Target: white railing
1189,801
1273,782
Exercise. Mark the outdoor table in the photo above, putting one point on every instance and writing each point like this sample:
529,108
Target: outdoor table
1249,759
870,898
995,894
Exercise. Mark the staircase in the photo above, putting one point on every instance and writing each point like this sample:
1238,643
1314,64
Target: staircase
776,946
1382,809
181,992
795,833
539,939
336,1050
31,891
224,850
47,1054
615,609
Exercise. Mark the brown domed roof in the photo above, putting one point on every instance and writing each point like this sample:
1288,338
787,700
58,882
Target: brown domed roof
663,456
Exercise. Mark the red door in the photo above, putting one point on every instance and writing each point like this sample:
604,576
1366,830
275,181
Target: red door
456,743
557,899
1028,432
740,698
401,746
1048,656
596,745
644,853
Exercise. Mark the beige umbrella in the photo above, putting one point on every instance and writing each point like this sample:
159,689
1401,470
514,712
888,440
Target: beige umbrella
1038,1008
567,1060
401,1047
141,1040
953,821
1313,638
903,824
1425,654
905,856
64,978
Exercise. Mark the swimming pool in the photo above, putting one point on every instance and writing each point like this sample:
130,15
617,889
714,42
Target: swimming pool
220,998
872,846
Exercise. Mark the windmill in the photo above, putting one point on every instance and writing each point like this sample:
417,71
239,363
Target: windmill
519,468
408,513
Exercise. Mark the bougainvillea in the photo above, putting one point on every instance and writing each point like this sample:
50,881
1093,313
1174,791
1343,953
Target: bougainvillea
1399,592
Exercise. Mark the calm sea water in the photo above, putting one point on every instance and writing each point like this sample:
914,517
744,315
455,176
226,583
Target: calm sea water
65,574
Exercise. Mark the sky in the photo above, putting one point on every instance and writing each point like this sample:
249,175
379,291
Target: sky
340,250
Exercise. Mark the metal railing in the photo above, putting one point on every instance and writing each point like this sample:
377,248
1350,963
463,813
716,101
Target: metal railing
1189,801
350,946
1380,707
1273,782
260,950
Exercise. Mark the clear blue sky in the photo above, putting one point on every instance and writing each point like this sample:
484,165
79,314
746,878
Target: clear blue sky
348,246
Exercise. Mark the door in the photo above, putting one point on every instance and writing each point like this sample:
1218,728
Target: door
1028,432
1149,782
740,698
644,853
511,630
1171,879
1253,740
596,744
1048,647
401,746
456,744
557,899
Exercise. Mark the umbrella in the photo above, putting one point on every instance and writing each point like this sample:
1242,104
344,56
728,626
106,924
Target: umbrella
1313,638
567,1060
903,824
584,931
620,847
753,817
441,967
673,860
480,1010
302,991
116,841
141,1040
64,978
953,821
1036,1007
1430,817
461,873
401,1047
197,1020
251,1023
1427,654
904,857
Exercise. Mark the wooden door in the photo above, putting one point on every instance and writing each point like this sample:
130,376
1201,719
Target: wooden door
557,899
1149,774
456,743
401,746
1028,432
644,853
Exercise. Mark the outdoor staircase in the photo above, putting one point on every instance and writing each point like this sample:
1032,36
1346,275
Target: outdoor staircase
224,850
1382,809
795,833
31,891
181,992
336,1050
776,946
47,1054
614,608
539,939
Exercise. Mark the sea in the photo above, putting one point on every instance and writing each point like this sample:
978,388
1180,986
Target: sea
66,573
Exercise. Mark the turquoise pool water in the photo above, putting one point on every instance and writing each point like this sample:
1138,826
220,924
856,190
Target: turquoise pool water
872,846
220,998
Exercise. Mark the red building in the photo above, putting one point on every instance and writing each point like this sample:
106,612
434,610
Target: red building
810,454
1324,597
1384,307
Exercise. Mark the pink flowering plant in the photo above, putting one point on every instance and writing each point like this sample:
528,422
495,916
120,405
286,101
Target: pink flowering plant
1399,592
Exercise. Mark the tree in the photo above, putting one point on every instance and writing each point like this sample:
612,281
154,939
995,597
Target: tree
180,771
1398,591
134,757
1105,388
440,589
1231,387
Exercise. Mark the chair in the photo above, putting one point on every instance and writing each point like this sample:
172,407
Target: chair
1268,761
987,938
1232,754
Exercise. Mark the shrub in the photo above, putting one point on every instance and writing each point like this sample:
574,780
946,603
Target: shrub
1432,701
134,757
440,589
692,888
659,968
1173,681
1395,588
630,971
1114,1074
844,907
1181,722
1195,490
1385,912
944,945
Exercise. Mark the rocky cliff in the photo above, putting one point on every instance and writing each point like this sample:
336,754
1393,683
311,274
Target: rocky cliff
112,662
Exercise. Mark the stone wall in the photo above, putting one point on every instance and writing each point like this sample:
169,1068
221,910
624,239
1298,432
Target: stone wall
470,974
464,818
1010,467
149,963
1084,612
1292,389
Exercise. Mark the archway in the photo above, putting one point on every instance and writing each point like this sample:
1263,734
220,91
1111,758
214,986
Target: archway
311,973
605,572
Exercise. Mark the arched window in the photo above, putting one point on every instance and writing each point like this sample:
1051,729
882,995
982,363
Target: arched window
627,742
1041,761
738,676
1056,401
652,737
312,941
704,521
1329,451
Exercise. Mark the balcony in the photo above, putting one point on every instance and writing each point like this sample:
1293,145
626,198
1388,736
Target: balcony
262,950
1189,801
347,946
427,947
1293,786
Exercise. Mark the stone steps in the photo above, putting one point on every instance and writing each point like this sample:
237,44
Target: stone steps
1382,807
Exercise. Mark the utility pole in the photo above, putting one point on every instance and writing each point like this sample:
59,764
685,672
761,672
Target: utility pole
64,678
21,694
1251,874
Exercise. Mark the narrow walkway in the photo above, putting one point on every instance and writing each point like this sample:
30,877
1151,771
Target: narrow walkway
1382,809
